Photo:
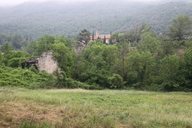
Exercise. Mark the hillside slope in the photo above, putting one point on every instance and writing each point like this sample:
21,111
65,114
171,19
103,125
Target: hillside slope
36,19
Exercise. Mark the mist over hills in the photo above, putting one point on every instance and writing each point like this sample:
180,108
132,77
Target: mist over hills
37,19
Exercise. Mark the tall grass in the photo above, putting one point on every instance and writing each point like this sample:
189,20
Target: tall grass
108,108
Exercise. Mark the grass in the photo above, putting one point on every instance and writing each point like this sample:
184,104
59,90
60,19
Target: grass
94,109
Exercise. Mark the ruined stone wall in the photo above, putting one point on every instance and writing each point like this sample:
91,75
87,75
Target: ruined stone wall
47,63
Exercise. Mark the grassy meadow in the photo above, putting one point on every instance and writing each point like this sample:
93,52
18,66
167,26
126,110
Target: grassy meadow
23,108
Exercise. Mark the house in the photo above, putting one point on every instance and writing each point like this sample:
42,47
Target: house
44,62
102,37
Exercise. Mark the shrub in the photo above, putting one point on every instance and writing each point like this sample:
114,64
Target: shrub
25,78
116,81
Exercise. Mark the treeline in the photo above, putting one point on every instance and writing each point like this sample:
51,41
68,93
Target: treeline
16,41
137,59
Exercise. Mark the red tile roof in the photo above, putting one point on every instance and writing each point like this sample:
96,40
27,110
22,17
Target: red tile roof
101,37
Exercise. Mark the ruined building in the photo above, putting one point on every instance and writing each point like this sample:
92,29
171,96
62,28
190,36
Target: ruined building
44,62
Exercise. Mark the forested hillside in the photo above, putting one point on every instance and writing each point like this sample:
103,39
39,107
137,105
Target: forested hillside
139,59
36,19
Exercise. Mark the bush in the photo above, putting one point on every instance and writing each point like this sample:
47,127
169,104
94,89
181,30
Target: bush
116,81
63,82
25,78
15,62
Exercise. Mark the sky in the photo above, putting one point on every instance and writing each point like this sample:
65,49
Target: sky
16,2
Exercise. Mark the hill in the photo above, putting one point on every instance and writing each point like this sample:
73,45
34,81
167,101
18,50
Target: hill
36,19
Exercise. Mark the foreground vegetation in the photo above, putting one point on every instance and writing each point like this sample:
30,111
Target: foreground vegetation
91,109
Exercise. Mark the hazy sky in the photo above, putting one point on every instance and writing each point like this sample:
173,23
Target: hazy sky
15,2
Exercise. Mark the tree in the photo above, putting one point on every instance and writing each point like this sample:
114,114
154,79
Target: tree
180,27
31,47
1,58
84,36
104,40
69,42
140,68
148,43
6,48
44,44
135,34
16,41
64,56
95,64
123,49
187,69
14,58
168,72
93,34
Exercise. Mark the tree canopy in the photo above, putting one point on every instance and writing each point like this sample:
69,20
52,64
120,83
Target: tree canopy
84,36
180,27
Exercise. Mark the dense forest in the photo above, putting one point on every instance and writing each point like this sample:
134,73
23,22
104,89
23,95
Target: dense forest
137,59
33,20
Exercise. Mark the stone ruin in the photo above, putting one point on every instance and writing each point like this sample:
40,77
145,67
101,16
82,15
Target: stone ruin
44,62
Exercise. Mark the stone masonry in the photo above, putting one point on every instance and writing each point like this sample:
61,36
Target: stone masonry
45,62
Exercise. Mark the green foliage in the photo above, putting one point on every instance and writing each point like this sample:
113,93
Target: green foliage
6,48
188,43
15,41
148,43
116,81
123,49
99,109
44,44
69,42
140,68
31,47
84,36
95,64
150,65
186,73
180,28
15,62
135,34
25,78
64,82
61,46
168,48
64,56
169,70
1,58
57,19
33,124
14,58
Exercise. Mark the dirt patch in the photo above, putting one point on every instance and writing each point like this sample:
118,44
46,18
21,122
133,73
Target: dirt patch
13,113
180,52
69,90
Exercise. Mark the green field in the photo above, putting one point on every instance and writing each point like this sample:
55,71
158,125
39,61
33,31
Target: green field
78,108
